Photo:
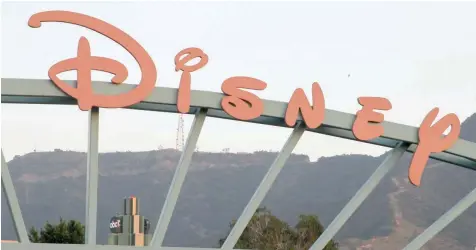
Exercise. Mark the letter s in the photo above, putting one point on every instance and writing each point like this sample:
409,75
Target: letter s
241,104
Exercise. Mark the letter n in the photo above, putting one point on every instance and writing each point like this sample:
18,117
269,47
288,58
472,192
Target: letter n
313,115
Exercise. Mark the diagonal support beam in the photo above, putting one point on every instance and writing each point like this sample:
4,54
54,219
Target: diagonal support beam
178,180
264,187
354,203
13,204
443,221
92,177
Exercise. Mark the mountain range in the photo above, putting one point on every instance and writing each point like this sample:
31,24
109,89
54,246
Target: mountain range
219,185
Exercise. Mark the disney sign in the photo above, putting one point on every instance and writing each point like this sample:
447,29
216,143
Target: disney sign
237,102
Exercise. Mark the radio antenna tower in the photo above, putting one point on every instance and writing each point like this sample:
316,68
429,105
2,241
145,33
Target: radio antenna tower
179,140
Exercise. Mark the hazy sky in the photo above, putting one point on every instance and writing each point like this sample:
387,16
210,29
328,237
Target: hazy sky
419,55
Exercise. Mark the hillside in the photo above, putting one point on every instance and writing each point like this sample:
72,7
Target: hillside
218,186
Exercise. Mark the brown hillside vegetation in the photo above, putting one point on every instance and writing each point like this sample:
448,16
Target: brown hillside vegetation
218,186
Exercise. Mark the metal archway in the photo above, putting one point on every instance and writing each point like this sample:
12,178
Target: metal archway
400,138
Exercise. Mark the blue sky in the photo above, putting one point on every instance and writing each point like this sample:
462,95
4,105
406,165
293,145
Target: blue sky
418,55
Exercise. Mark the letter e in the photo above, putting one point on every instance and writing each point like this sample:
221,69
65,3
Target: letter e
363,129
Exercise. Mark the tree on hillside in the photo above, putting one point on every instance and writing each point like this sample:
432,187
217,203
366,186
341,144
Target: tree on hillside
266,232
65,232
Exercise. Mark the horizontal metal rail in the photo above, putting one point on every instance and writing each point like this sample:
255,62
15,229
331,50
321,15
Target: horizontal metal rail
44,246
336,123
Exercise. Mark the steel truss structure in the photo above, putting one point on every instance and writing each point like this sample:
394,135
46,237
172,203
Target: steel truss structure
400,138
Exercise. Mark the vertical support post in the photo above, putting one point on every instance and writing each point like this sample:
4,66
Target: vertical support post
354,203
264,187
443,221
13,204
178,179
92,177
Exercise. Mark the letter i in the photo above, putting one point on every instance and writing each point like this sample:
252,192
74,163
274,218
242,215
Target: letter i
183,98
